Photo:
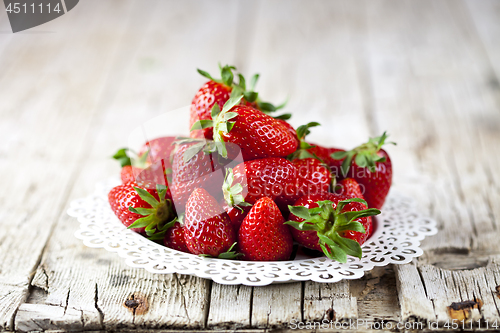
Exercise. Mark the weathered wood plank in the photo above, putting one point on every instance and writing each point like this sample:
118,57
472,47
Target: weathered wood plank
42,126
329,301
95,283
277,305
412,295
230,306
424,80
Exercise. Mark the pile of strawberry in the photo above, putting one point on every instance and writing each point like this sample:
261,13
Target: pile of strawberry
247,184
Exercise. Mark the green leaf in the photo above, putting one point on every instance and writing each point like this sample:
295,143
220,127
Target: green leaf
284,116
303,130
301,225
232,101
335,253
253,82
361,160
326,240
230,126
250,96
346,164
215,110
242,82
230,254
351,247
353,226
303,154
227,76
141,211
300,211
122,157
201,124
360,214
236,189
266,107
223,128
146,196
230,115
346,201
205,74
339,155
305,145
142,222
192,151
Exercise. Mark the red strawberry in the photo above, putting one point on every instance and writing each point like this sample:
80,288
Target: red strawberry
313,177
288,126
218,92
263,236
256,133
193,168
272,177
159,149
129,173
331,223
174,238
207,227
350,188
323,154
144,211
371,167
210,93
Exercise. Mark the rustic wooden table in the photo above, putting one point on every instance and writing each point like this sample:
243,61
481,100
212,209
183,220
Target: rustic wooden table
72,89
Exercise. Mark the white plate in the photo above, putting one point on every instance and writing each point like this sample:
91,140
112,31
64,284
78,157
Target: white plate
396,240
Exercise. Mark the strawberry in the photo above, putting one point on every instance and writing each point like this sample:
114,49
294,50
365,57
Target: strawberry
263,236
371,167
324,154
331,223
256,133
313,177
207,228
218,92
350,188
145,211
128,172
159,149
271,177
234,204
193,168
174,238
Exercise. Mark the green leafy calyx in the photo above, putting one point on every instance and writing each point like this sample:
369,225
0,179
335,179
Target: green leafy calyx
329,222
302,150
229,254
232,193
123,156
365,156
157,219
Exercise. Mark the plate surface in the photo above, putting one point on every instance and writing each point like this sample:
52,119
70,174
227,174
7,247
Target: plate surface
396,240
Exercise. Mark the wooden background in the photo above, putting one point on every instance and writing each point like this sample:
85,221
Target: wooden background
72,89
